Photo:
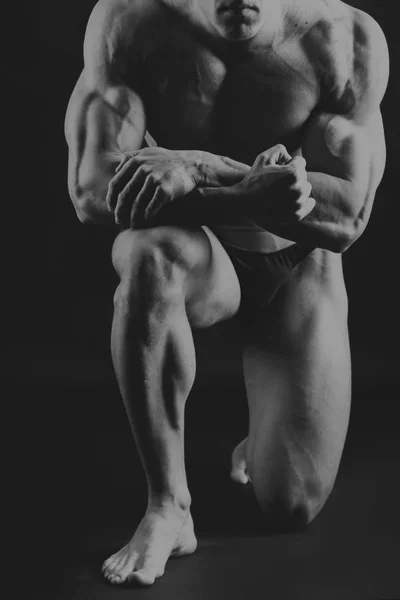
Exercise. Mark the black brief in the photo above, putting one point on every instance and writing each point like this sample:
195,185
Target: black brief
261,275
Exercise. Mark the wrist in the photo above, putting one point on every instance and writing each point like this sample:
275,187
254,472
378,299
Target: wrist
194,163
212,170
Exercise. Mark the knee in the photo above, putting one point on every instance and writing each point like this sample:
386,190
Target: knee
289,518
148,266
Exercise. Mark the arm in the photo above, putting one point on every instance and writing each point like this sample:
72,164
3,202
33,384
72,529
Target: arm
346,154
345,164
104,119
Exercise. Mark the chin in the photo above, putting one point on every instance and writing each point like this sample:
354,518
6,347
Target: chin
239,34
238,29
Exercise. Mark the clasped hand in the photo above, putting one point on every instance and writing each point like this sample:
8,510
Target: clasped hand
147,180
276,187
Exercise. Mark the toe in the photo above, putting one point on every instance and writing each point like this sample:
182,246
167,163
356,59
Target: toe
117,566
127,569
143,577
110,563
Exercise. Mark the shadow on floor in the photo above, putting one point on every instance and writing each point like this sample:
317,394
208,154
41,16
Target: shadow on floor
74,491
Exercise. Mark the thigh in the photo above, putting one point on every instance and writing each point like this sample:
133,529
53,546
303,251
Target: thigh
297,376
209,282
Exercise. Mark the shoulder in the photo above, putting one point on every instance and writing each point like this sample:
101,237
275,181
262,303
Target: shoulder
110,16
349,51
371,58
117,28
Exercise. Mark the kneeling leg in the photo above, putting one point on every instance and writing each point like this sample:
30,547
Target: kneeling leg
297,376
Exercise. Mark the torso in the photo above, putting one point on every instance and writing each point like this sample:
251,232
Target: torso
197,97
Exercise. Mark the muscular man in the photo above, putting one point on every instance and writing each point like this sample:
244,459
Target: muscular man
270,151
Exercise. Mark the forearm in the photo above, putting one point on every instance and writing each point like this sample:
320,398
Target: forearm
89,198
333,224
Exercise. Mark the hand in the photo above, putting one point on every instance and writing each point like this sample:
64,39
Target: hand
148,179
278,186
277,155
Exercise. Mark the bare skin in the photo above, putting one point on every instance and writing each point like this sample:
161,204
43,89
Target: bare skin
221,89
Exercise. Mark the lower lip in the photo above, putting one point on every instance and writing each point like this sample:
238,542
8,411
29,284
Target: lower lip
240,11
238,8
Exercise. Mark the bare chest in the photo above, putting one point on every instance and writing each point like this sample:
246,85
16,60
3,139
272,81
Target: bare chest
238,107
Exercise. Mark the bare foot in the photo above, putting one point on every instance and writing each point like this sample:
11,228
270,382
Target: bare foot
161,534
238,469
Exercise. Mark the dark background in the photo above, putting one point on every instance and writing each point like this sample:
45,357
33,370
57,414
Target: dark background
69,454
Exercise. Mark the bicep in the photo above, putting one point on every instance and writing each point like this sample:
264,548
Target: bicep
99,129
110,118
353,153
104,118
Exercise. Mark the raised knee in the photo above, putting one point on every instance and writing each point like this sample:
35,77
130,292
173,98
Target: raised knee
148,267
143,255
294,510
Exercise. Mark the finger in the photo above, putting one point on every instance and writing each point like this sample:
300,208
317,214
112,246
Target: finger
283,157
128,195
278,154
156,203
122,162
141,202
119,181
269,156
125,159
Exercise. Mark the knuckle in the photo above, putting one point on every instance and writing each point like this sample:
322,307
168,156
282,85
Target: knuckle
292,177
166,187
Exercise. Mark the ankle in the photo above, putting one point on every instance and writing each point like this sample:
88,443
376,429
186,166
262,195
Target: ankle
177,503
